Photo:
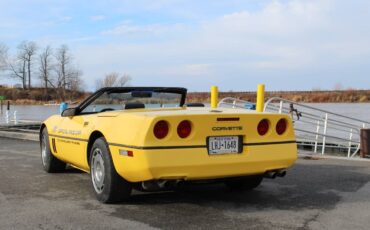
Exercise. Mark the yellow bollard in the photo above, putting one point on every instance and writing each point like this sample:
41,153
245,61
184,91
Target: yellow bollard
260,98
214,97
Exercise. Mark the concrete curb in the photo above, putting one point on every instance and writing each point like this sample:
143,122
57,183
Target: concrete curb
20,135
306,156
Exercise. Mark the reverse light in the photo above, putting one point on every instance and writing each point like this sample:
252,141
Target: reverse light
263,127
281,126
161,129
184,129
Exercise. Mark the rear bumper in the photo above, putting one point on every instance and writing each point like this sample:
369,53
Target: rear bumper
196,164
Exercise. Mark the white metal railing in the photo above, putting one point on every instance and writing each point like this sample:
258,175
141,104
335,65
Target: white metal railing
236,103
9,117
320,129
315,128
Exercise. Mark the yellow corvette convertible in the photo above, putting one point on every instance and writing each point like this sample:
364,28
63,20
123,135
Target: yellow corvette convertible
146,138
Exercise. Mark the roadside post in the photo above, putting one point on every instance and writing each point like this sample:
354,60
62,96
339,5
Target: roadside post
214,97
260,97
15,117
7,113
365,143
2,98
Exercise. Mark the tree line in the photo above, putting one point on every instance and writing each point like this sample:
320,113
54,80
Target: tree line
50,68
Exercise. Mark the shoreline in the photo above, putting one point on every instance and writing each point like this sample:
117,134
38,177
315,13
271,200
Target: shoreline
342,96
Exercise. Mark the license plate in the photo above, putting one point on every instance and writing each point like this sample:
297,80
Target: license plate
224,145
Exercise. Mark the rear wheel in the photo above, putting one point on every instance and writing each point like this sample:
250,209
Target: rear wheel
50,163
244,183
109,187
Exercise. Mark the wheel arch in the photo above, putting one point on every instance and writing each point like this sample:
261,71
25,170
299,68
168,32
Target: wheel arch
93,137
42,127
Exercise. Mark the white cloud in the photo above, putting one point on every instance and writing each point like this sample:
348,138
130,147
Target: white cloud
284,38
190,70
128,27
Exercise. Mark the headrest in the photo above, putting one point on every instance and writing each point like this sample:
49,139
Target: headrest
195,105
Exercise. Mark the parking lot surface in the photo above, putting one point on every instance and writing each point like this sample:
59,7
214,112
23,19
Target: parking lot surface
315,194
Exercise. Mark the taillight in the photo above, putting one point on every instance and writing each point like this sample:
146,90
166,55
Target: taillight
263,127
281,126
161,129
184,129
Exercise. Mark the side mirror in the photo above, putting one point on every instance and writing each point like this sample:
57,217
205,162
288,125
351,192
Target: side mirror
69,112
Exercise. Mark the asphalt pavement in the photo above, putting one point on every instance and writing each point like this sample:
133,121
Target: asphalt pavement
315,194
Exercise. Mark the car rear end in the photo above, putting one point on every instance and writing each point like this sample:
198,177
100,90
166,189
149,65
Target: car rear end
201,144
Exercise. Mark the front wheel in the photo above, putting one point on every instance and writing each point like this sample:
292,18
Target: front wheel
50,163
244,183
109,187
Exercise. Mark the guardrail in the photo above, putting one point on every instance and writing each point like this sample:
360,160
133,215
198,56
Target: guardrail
14,118
231,102
320,129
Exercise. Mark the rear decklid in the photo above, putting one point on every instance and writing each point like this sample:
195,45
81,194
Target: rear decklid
220,126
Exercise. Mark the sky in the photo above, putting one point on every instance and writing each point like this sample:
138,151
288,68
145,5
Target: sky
234,44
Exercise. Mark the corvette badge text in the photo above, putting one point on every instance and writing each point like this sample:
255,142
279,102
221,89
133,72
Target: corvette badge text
230,128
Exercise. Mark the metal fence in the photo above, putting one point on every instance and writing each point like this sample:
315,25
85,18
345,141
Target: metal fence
317,130
9,117
321,130
231,102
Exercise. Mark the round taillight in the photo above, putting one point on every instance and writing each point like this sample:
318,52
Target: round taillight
161,129
184,129
281,126
263,127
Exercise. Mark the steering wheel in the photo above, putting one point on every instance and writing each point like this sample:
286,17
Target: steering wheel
106,109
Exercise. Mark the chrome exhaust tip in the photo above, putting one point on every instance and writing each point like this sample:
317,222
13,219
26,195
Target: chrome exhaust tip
281,173
270,175
274,174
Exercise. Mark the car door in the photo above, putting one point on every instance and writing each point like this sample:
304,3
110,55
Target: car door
72,138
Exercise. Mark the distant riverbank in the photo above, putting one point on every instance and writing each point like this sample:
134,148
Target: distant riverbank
40,97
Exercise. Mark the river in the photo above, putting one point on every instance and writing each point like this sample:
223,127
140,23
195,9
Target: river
41,112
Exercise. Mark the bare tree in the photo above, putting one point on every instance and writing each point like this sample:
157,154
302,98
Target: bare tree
124,80
113,80
17,67
63,60
67,75
45,68
75,82
3,56
26,52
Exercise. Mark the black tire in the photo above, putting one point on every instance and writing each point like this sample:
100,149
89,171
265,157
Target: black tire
244,183
108,186
50,163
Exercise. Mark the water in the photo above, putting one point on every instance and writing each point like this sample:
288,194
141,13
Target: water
355,110
40,112
30,112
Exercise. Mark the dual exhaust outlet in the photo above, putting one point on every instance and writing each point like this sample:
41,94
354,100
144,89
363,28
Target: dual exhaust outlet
274,174
155,185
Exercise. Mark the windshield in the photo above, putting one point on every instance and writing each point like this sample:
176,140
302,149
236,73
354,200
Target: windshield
110,101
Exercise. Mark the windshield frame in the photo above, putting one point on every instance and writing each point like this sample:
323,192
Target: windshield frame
97,94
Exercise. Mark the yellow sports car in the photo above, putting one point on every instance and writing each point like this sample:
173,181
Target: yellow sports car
146,138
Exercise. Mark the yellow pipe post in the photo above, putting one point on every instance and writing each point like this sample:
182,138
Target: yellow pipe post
260,98
214,97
